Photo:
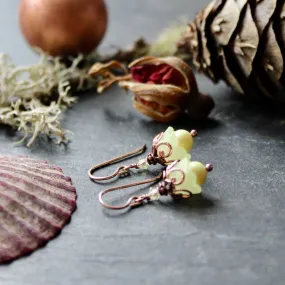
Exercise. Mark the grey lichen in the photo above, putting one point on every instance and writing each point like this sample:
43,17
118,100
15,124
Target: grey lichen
33,98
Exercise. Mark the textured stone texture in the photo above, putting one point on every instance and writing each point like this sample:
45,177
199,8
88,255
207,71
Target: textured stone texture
233,235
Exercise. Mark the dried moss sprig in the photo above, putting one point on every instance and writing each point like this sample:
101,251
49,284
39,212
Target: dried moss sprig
166,43
33,98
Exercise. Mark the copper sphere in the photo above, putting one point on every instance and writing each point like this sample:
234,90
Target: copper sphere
63,27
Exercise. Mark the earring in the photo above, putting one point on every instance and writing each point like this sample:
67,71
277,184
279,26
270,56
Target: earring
167,147
181,180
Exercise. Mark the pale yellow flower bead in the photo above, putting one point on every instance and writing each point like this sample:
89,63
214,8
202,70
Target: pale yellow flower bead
185,139
177,151
200,170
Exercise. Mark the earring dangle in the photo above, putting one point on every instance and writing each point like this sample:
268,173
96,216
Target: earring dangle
167,147
181,180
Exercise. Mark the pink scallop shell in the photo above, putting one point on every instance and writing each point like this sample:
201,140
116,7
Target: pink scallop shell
36,201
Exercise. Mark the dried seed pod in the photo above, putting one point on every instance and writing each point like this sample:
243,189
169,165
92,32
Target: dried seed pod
36,201
165,88
242,43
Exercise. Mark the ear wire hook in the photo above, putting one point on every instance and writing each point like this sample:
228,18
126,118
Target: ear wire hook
134,200
122,170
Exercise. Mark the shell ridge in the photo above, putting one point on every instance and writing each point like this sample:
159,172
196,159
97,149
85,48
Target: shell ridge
21,158
24,210
5,251
22,193
55,197
30,234
66,194
36,172
49,180
45,167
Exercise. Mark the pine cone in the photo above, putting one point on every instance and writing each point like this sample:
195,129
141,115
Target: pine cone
241,42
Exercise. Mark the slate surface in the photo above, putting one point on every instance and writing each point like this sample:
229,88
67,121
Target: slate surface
234,234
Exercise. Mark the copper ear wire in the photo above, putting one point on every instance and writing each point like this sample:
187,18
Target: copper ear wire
157,155
132,201
122,170
152,159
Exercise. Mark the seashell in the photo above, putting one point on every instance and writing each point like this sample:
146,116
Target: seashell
36,201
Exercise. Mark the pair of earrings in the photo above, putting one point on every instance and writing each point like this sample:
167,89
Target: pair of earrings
181,177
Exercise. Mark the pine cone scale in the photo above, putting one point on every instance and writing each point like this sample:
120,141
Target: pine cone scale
228,75
281,33
225,22
263,11
272,60
245,42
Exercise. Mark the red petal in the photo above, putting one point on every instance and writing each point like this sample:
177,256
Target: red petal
142,73
157,74
173,77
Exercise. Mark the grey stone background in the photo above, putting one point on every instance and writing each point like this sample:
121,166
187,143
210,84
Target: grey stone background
233,234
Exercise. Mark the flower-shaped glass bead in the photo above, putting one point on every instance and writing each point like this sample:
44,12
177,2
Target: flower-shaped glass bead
182,179
169,146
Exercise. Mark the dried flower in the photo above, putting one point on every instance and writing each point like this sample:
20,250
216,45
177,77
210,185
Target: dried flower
164,88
